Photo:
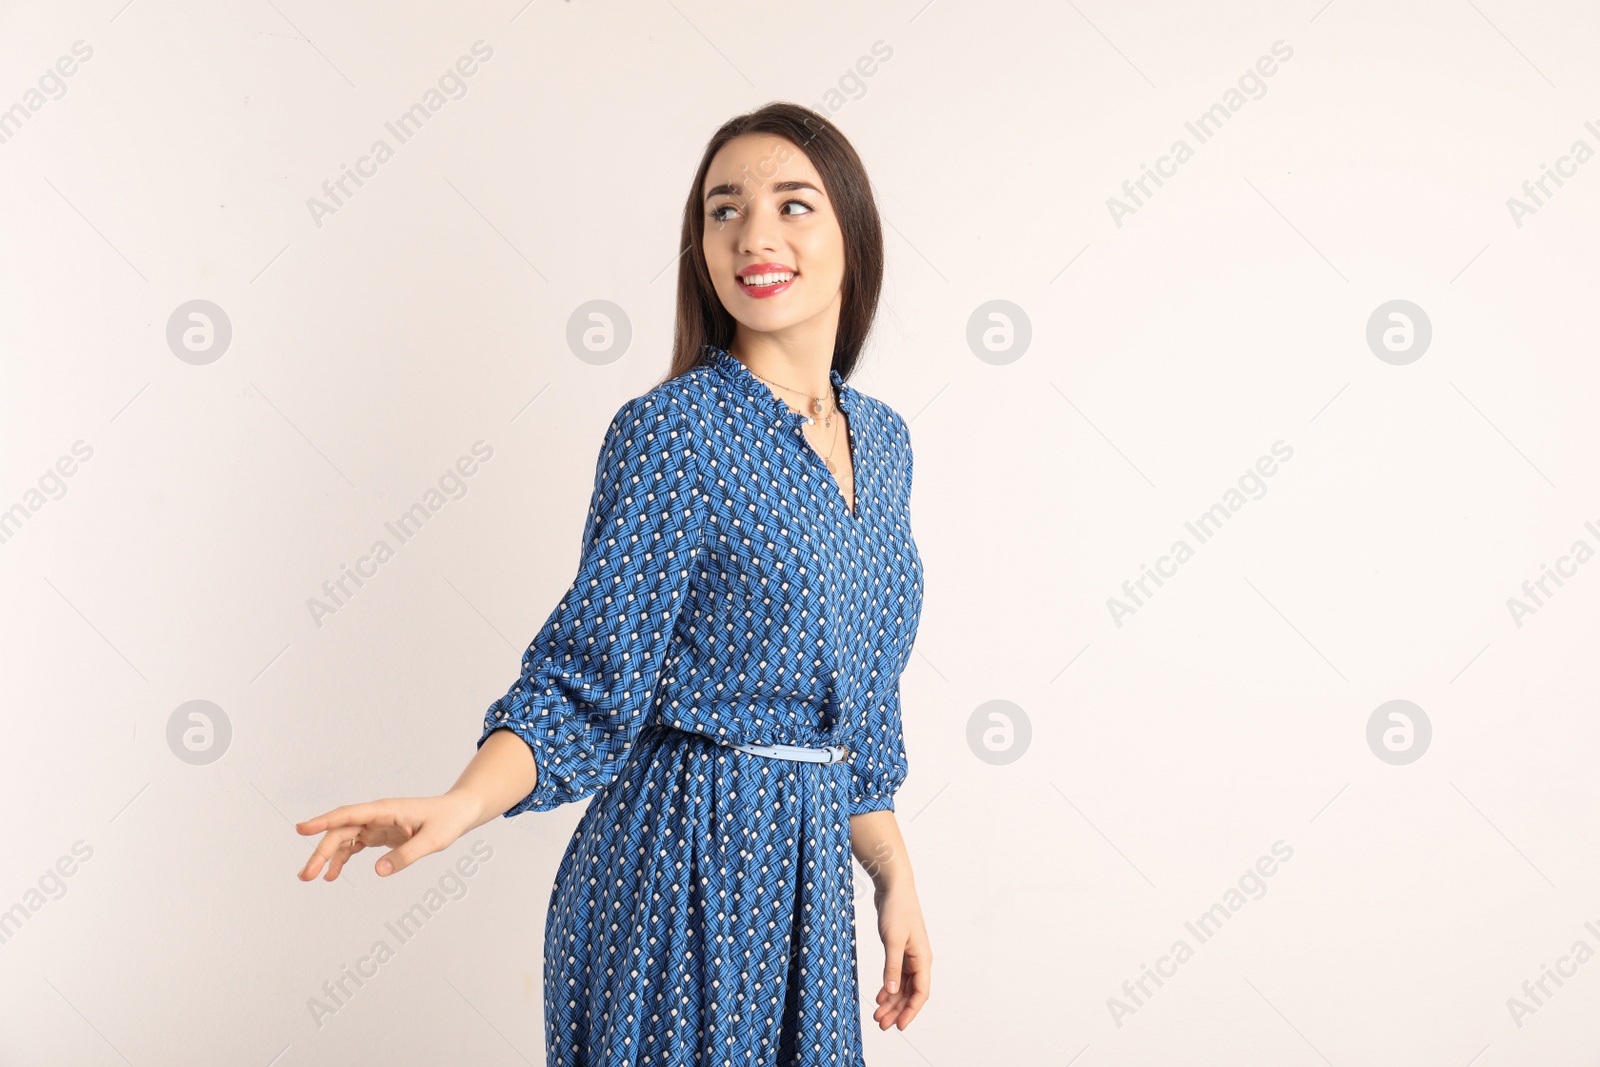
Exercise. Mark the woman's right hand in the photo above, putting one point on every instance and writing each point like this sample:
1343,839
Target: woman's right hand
411,827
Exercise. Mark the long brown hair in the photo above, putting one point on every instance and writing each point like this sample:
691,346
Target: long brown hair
701,316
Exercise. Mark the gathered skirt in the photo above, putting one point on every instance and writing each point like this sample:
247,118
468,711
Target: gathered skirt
703,915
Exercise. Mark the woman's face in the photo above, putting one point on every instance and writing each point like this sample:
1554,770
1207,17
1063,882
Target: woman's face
767,213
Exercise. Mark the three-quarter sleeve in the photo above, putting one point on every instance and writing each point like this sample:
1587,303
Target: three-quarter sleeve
878,760
878,764
588,676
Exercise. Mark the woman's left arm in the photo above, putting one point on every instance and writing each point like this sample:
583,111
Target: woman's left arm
907,956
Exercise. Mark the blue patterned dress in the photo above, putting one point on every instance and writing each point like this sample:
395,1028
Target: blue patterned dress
703,912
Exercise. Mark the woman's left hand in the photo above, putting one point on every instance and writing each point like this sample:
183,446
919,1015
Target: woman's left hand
907,958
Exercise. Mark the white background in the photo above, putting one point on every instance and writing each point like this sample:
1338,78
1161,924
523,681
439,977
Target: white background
1168,354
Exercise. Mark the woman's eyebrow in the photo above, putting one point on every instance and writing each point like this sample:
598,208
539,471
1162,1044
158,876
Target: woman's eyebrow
732,188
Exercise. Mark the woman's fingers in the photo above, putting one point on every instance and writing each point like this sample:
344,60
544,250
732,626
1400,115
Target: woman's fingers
342,853
907,971
341,831
347,815
336,846
892,995
917,985
398,859
889,1012
411,827
894,947
918,976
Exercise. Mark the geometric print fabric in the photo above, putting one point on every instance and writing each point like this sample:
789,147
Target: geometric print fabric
702,912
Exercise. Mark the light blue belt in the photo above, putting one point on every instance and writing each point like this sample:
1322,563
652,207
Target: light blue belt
800,753
831,754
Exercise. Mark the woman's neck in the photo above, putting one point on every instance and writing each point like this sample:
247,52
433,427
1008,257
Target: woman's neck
799,365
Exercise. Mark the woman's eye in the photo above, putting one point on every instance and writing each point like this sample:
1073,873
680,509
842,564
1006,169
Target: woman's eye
716,213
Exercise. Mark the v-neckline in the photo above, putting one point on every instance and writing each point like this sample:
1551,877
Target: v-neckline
844,399
850,447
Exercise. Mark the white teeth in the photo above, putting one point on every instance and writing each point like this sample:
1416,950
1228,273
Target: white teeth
765,279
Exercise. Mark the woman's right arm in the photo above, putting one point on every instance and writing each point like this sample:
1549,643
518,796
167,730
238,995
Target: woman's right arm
565,727
500,773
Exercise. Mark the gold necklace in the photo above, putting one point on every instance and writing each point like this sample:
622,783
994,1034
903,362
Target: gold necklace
816,401
818,409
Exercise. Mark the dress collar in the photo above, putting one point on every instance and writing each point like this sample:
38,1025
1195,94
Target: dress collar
740,376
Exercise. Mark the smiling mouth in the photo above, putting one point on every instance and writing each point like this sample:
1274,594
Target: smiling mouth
761,282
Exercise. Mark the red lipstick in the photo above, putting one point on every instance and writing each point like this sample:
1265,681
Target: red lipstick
766,271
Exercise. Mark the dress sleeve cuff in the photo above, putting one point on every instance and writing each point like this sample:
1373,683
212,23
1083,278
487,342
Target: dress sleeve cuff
543,796
862,805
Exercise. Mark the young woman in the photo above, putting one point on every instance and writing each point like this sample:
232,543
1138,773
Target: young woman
723,674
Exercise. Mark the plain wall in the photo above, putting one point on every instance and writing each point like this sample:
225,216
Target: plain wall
1143,764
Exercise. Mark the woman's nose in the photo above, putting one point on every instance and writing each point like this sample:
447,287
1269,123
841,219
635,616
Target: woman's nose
758,233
